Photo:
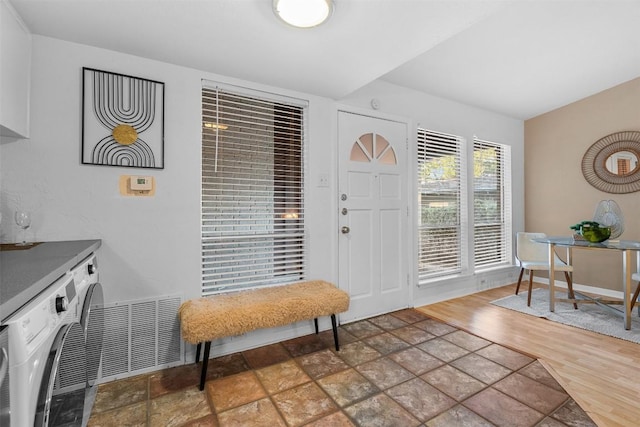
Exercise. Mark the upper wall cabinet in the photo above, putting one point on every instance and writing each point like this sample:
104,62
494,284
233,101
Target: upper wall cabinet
15,73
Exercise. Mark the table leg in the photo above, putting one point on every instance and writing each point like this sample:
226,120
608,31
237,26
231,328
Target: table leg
552,275
626,286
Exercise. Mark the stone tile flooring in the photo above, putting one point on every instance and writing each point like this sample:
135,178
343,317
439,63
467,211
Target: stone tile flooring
399,369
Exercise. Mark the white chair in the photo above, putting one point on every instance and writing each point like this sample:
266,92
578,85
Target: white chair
534,256
636,278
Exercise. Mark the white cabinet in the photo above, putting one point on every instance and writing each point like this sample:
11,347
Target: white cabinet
15,73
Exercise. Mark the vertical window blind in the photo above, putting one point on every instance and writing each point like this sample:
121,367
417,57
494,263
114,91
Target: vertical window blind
441,200
253,231
491,203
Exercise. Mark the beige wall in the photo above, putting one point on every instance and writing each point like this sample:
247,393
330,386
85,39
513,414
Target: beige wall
556,193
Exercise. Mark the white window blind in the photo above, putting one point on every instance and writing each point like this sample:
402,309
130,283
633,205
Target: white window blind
441,179
491,203
253,231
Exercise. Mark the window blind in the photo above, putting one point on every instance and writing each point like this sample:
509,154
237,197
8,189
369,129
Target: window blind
441,202
491,203
253,231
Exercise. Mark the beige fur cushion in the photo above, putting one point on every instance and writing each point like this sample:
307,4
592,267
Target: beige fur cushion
205,319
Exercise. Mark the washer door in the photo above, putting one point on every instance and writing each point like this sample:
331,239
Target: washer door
92,321
64,381
5,413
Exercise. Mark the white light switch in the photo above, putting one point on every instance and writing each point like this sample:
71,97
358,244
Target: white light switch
323,180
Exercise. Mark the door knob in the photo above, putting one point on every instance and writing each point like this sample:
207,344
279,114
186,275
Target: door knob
345,230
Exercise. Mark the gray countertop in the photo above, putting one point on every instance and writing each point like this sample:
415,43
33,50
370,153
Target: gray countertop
27,272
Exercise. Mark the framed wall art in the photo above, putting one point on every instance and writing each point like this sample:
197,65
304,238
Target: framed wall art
122,120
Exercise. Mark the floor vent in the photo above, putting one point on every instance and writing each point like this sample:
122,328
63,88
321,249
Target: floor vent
140,336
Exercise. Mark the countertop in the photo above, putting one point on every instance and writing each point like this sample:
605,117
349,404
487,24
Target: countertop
27,272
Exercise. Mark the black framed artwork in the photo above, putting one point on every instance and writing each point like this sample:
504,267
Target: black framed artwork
122,120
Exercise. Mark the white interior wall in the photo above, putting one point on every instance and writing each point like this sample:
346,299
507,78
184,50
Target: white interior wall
151,246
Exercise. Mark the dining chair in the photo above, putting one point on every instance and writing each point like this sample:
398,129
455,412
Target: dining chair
534,256
636,278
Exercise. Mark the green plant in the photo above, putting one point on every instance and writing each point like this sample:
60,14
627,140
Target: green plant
578,226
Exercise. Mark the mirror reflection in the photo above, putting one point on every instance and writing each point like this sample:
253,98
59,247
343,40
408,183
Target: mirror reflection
622,163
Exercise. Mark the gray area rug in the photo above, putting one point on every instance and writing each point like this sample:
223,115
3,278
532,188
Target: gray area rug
587,316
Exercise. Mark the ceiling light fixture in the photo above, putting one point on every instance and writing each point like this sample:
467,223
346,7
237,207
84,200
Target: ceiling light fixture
303,13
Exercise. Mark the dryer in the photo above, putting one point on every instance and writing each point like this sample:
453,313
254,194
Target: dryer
47,359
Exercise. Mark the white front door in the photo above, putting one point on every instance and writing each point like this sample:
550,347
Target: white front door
373,217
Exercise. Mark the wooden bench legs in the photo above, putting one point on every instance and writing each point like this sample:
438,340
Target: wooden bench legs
207,349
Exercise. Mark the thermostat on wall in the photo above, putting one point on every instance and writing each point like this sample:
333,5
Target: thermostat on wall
141,183
131,185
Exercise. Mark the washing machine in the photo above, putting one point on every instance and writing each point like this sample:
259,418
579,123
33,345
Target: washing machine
5,398
47,359
90,313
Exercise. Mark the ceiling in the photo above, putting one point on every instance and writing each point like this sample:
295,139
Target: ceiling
520,58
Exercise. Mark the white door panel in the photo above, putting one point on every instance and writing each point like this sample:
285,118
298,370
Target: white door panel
360,253
390,250
373,266
360,185
390,187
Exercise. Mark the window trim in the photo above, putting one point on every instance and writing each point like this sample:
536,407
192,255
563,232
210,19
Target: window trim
462,260
209,288
505,212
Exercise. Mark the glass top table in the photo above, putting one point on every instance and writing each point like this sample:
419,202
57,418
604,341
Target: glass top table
626,247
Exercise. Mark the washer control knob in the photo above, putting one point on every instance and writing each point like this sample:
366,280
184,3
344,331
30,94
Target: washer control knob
61,304
91,269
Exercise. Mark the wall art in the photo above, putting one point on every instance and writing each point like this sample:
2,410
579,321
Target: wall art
122,120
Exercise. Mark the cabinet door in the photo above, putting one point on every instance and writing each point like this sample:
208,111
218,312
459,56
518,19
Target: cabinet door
15,73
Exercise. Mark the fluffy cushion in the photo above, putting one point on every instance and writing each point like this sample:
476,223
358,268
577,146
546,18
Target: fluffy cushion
205,319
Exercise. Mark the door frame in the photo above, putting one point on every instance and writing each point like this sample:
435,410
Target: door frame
411,242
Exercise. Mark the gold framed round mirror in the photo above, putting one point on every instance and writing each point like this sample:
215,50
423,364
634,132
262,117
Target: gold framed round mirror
612,163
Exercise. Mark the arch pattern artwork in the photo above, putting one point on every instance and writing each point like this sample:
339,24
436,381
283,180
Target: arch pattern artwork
122,121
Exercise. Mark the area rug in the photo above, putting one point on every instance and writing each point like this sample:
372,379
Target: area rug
588,316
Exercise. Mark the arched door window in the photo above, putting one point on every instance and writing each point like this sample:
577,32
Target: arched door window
371,147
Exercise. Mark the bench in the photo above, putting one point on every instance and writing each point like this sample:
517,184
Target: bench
203,320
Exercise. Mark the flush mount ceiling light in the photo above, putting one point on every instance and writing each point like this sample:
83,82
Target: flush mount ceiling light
303,13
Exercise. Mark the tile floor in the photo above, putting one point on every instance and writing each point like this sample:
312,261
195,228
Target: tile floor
399,369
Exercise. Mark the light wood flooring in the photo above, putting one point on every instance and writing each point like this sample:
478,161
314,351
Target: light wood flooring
601,373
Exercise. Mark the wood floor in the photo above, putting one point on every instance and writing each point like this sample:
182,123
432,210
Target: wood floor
601,373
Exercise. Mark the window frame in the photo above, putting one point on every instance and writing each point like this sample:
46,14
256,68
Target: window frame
482,259
425,255
285,227
468,251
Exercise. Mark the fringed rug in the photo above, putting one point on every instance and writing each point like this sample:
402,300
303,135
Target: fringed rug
587,316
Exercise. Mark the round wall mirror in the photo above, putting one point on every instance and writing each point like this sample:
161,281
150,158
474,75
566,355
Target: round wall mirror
611,164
